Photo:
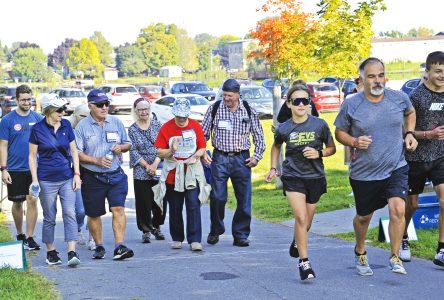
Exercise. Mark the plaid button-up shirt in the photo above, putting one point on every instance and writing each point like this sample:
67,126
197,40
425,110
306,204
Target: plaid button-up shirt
231,130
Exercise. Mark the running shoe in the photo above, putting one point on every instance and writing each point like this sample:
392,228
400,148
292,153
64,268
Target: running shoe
305,270
21,237
122,252
439,258
362,265
404,250
146,238
196,246
294,250
176,245
52,258
158,234
73,259
30,244
396,265
81,239
99,253
91,245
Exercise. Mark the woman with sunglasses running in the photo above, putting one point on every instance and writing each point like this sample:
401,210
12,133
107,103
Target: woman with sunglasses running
303,175
55,173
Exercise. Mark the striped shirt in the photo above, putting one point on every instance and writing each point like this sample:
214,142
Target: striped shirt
96,141
231,130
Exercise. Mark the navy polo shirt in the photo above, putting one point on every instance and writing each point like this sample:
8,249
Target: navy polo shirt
52,165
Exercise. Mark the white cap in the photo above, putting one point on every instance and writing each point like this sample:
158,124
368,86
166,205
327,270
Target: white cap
52,100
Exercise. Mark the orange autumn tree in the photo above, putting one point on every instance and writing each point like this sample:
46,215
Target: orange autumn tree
286,41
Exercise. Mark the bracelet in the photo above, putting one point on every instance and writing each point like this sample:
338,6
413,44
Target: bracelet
355,143
3,168
424,134
77,173
410,132
273,168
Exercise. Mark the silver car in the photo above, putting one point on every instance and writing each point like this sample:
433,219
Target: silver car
74,97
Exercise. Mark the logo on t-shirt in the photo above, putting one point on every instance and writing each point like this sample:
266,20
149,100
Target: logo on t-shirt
18,127
436,106
302,138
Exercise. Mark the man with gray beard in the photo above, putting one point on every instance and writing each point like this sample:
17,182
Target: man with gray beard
371,123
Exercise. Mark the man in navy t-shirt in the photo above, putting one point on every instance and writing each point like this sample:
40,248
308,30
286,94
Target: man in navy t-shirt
15,129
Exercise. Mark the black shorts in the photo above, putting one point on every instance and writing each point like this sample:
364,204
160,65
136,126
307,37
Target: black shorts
19,188
373,195
313,189
420,171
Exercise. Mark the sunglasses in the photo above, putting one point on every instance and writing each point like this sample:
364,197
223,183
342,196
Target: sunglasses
297,101
61,109
102,104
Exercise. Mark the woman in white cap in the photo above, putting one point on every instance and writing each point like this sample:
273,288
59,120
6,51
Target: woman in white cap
56,173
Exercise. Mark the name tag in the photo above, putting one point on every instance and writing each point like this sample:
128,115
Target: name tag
112,136
188,135
224,125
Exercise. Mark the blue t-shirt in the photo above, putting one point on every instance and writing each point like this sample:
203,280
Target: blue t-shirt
52,165
16,129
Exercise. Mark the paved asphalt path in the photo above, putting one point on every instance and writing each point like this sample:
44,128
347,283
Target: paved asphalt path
262,271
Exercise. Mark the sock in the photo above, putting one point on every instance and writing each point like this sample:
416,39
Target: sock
99,245
440,246
117,245
303,259
358,254
405,237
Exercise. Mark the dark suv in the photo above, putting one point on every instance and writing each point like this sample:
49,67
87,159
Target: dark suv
193,87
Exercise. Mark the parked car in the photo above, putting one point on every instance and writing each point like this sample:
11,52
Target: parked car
162,108
150,92
193,87
325,96
410,85
74,97
8,101
348,87
122,96
284,83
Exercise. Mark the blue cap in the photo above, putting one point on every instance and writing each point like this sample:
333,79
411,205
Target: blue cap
97,96
181,108
231,85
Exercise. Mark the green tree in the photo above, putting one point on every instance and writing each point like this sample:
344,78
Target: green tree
159,45
187,51
130,60
31,64
206,44
344,36
84,56
3,57
391,34
420,32
106,51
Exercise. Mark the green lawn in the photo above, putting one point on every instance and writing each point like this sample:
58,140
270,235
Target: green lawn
22,285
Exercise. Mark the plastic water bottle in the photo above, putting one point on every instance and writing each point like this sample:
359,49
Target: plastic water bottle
35,190
110,155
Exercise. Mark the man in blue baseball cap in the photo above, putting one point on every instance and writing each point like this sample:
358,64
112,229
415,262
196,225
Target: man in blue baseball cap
101,140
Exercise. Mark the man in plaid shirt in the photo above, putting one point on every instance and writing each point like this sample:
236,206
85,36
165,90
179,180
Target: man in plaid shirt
230,132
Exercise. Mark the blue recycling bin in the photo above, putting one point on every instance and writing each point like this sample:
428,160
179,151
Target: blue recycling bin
427,214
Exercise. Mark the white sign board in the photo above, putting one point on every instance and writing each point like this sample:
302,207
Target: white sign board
12,255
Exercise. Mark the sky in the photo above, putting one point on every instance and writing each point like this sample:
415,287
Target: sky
48,22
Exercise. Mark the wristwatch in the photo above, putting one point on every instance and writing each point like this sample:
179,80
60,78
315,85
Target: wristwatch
2,168
410,132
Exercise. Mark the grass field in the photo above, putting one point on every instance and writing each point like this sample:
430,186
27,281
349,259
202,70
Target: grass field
22,285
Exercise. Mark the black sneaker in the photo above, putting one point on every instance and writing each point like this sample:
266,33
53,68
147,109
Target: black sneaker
52,258
146,238
213,239
73,259
305,270
158,234
30,244
122,252
294,250
99,253
21,237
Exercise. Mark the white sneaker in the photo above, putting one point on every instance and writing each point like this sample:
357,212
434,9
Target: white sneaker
195,246
176,245
439,258
396,265
404,250
92,245
81,239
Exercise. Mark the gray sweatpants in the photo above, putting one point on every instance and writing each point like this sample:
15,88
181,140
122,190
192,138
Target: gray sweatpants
48,199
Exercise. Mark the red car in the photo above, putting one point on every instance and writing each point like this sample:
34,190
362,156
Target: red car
150,92
325,96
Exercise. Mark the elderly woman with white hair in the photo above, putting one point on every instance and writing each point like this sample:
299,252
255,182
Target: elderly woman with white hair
144,161
56,172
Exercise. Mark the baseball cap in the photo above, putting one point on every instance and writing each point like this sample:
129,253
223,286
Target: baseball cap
52,100
97,96
231,85
181,108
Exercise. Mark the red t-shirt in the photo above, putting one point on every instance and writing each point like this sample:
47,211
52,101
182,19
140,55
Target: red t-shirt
192,139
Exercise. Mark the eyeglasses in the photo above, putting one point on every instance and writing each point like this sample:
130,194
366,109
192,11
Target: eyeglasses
25,100
102,104
61,109
143,110
297,101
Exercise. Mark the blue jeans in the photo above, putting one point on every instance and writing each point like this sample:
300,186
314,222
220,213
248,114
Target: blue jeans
192,204
80,210
48,200
233,167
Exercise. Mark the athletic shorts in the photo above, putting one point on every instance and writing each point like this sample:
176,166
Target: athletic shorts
19,188
98,186
313,189
373,195
420,171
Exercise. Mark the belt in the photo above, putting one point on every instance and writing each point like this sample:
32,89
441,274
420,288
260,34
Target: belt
230,153
85,170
